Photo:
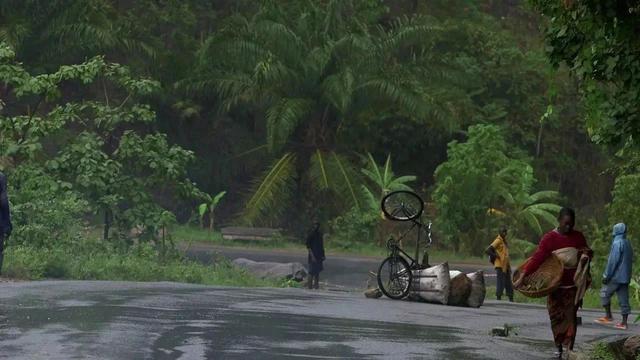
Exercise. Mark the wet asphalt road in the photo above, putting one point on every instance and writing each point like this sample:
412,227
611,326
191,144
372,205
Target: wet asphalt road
124,320
340,271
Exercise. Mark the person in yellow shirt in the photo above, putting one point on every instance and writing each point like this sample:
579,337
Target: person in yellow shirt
498,253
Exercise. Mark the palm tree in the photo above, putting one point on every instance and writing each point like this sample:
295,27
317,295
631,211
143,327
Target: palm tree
53,32
312,68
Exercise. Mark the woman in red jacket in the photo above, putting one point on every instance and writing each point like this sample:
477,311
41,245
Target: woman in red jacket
571,247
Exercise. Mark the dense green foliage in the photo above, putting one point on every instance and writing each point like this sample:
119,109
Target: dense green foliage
599,42
624,207
69,160
484,183
95,151
97,261
292,107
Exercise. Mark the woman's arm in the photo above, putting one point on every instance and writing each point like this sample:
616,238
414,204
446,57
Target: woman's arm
539,256
543,251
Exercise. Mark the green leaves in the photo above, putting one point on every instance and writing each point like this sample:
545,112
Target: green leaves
383,177
283,118
217,198
597,41
332,173
381,181
6,52
482,184
270,192
96,147
308,77
202,209
625,206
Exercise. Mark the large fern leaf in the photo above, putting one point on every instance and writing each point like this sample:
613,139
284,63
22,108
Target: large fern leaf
336,173
271,193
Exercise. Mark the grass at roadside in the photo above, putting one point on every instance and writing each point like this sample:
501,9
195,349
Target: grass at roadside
591,299
139,264
602,351
190,234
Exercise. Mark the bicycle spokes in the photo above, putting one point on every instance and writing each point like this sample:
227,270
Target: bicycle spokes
402,205
397,277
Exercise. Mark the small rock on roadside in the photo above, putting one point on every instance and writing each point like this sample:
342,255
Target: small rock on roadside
502,331
373,293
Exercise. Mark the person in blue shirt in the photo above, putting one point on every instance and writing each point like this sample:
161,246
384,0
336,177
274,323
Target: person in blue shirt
5,218
616,277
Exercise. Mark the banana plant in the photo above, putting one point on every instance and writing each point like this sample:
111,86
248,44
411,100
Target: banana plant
210,207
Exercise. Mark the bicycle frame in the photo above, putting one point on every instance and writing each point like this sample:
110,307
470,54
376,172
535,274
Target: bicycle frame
395,249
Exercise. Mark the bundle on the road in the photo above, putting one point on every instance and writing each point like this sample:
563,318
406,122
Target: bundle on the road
432,284
460,288
438,284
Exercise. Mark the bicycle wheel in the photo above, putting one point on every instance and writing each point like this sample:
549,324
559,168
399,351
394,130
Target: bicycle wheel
394,277
402,205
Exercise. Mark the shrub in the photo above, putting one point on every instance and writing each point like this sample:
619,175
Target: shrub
355,226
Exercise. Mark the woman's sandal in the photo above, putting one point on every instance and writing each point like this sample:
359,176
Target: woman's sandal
604,321
621,326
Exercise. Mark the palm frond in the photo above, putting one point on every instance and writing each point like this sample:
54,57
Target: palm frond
405,32
545,195
372,170
387,173
551,208
531,220
398,94
348,178
329,171
400,183
371,202
282,41
548,217
271,192
338,89
283,118
319,171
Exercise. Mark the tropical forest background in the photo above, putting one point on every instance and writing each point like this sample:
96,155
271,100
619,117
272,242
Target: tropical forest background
126,124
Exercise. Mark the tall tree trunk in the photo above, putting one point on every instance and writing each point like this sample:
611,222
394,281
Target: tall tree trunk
107,224
539,143
164,247
211,219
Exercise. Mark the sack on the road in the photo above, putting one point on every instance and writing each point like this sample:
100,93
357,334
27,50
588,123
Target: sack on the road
432,284
478,289
459,288
272,270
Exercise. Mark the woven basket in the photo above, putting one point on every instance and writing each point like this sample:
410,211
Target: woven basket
548,276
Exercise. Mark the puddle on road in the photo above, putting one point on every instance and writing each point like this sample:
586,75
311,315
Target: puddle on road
247,335
205,334
151,331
